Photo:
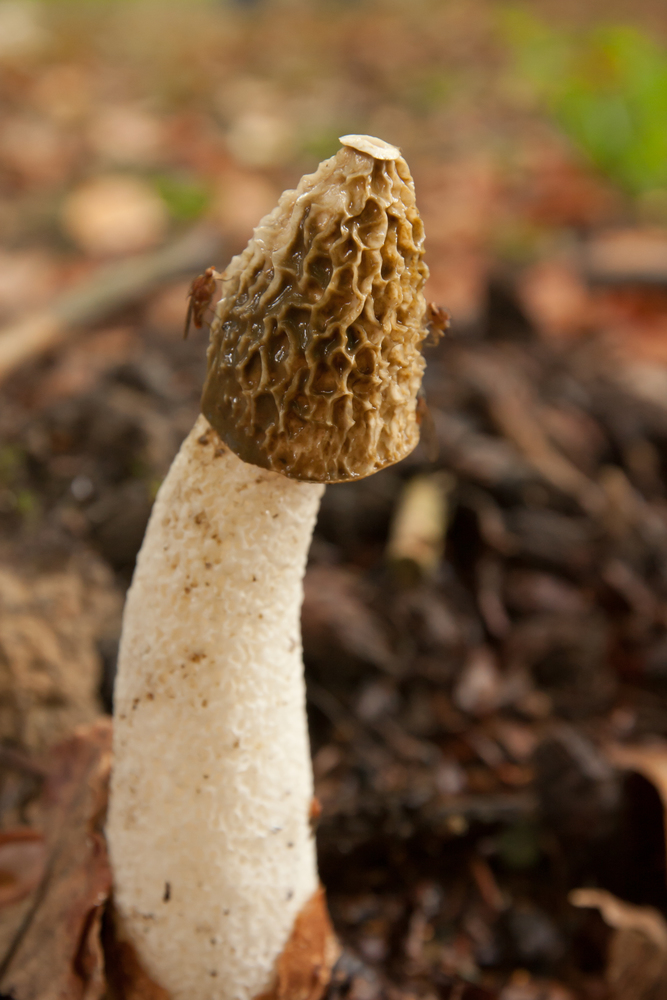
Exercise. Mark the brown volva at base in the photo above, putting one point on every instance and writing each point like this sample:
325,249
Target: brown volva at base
303,970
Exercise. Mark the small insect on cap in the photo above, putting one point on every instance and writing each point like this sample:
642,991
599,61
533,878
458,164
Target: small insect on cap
314,364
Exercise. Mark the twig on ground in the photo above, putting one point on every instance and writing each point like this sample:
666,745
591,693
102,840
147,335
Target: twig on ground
110,288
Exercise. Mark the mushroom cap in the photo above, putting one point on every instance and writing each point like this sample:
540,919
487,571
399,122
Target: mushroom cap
314,363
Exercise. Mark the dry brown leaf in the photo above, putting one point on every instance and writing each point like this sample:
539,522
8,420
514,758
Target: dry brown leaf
637,959
22,863
649,761
53,949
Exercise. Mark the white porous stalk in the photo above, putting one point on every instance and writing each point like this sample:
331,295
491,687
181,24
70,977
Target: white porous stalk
210,842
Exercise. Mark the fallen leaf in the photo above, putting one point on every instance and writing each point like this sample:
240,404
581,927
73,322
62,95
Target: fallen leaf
557,190
637,959
53,950
458,277
649,761
22,863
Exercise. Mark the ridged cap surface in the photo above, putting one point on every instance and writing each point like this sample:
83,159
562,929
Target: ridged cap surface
314,364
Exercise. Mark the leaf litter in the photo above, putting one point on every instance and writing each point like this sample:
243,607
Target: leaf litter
51,935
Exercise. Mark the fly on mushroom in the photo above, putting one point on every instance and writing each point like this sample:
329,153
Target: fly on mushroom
437,322
201,293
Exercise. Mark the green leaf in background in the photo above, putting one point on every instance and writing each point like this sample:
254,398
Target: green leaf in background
606,88
185,199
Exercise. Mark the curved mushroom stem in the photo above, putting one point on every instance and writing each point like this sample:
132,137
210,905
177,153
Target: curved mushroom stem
314,367
209,833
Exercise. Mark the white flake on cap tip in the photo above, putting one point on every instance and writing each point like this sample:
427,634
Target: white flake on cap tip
377,148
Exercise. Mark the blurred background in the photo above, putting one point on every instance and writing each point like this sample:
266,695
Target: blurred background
485,625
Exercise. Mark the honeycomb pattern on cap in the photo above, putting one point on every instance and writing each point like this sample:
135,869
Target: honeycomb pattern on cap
315,364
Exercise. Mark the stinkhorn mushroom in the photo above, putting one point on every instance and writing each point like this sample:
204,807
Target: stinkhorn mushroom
313,372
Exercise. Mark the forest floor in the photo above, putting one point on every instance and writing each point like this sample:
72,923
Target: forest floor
487,690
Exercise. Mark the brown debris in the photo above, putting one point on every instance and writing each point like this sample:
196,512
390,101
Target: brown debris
336,619
519,416
50,669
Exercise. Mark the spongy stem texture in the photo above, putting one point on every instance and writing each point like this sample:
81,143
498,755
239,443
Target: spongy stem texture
211,847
